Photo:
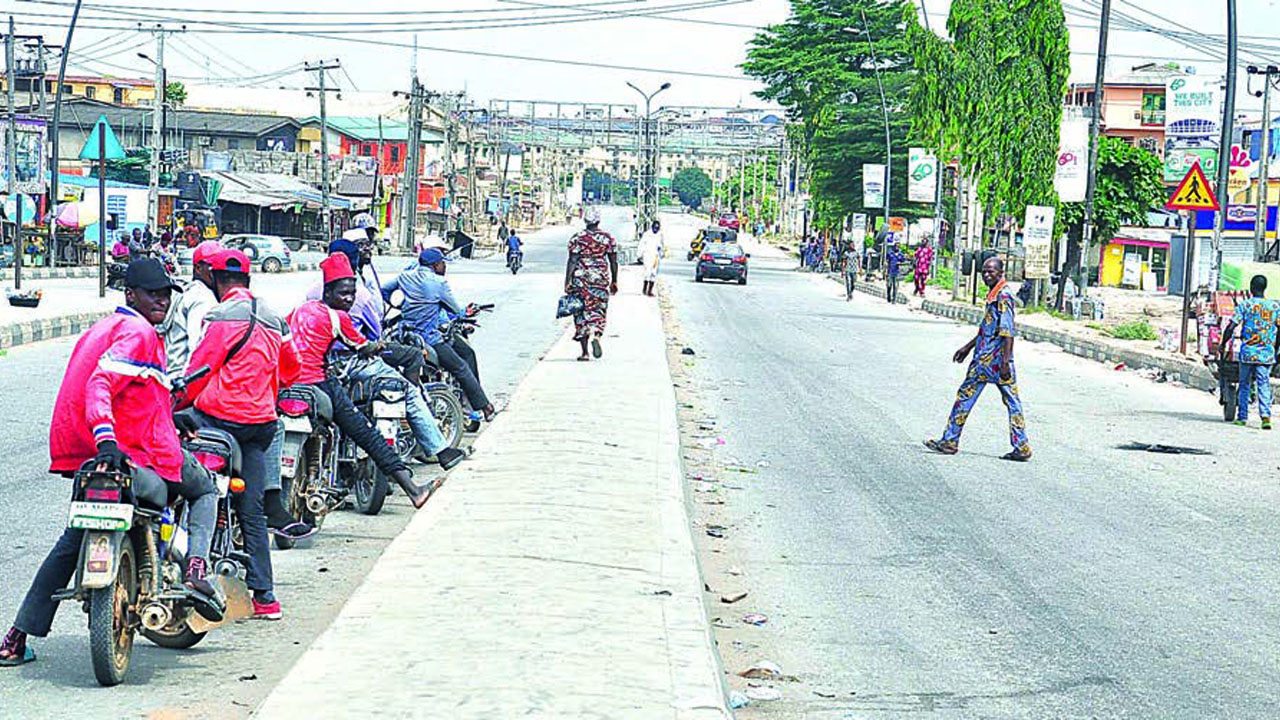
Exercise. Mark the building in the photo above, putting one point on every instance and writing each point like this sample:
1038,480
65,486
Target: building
119,91
382,138
1133,104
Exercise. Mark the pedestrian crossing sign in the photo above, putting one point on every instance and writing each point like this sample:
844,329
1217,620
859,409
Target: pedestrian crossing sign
1193,193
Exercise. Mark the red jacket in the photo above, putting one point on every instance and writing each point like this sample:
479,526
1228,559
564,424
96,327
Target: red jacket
115,389
315,326
244,390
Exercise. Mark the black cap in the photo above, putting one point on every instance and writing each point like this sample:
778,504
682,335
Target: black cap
148,274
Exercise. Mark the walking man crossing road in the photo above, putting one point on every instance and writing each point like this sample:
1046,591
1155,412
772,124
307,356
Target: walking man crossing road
1257,319
992,363
893,265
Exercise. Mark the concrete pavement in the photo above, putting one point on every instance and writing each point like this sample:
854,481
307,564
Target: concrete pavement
553,576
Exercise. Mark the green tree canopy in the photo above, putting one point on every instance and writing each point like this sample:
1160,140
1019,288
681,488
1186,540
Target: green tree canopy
1130,184
175,93
691,185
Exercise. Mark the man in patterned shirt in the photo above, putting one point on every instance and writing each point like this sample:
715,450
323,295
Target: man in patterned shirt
1257,319
992,363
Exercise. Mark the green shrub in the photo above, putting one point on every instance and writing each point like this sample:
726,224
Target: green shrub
1135,330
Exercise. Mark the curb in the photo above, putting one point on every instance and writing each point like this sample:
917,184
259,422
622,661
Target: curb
91,271
31,331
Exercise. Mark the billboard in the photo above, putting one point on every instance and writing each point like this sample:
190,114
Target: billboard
1037,237
32,156
1071,178
1178,160
873,185
1193,106
922,176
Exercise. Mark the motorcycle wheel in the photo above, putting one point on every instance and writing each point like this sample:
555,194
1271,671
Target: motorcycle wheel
294,503
447,410
177,635
110,608
1229,399
370,487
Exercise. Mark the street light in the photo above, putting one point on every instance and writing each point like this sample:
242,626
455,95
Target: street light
161,108
648,207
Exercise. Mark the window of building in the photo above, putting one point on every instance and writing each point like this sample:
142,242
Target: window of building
67,90
117,96
1150,144
395,153
233,143
90,91
1153,108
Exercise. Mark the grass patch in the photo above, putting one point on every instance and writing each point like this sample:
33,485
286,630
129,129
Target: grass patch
1135,330
944,278
1047,310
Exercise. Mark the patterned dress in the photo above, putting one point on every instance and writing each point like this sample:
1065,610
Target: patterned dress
1257,319
997,324
590,280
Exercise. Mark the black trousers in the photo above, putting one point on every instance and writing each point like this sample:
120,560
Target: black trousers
460,360
405,358
358,428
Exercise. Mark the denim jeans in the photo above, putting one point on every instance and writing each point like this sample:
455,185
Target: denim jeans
356,426
1254,375
424,425
35,617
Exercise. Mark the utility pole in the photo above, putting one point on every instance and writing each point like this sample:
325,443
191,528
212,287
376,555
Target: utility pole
11,156
1224,144
888,141
409,190
157,130
1264,157
320,68
54,134
648,163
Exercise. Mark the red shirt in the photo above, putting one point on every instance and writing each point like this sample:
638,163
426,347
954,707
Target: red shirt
315,326
115,389
243,390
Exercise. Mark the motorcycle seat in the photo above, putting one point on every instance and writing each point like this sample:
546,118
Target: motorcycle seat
321,405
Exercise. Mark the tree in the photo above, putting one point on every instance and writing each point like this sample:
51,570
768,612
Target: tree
691,185
1130,184
175,93
821,66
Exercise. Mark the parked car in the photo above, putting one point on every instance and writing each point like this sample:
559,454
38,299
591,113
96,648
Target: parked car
722,261
268,252
729,220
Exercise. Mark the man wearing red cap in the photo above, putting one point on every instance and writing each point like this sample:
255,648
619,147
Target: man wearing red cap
316,325
249,355
184,325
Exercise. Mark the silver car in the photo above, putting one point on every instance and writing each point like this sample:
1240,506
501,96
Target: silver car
268,252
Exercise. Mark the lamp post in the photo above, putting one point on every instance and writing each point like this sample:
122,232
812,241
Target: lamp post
162,107
648,172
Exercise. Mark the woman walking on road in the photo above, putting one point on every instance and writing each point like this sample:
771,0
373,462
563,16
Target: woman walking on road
592,276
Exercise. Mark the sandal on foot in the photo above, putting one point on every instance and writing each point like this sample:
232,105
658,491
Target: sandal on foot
596,351
584,358
294,531
27,656
1015,456
939,448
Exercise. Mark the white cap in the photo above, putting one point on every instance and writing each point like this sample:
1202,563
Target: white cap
591,214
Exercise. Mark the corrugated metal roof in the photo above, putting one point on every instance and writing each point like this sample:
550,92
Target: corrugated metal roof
82,113
365,129
256,188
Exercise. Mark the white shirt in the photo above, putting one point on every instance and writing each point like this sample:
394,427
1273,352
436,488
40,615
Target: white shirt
183,327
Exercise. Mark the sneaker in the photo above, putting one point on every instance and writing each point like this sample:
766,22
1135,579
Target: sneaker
1266,423
267,611
207,599
1241,423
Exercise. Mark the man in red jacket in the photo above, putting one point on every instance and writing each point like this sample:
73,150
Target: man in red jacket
114,407
250,356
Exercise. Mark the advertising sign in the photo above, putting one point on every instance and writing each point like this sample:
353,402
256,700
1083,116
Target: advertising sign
1238,174
32,156
1037,237
922,176
1177,161
858,231
1071,178
1192,105
897,224
873,186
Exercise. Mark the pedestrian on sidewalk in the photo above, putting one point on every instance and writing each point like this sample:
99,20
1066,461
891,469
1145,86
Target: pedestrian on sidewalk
652,248
923,264
1257,319
591,275
992,363
893,266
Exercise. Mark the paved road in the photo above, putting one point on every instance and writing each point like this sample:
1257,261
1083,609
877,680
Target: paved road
231,671
1092,582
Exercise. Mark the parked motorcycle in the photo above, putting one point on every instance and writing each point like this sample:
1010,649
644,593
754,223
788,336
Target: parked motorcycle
308,458
129,576
382,400
443,395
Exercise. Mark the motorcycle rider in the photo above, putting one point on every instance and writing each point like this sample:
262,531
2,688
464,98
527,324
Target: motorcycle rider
429,303
249,355
316,325
366,313
113,408
514,245
184,325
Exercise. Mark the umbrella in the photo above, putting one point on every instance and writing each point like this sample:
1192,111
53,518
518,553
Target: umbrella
77,215
28,208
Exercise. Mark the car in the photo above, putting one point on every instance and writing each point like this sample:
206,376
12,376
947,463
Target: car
722,261
729,220
711,234
268,252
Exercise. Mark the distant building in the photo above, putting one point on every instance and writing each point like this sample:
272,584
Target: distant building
1133,104
120,91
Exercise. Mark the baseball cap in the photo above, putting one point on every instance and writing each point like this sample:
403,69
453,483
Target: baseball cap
591,214
230,260
204,250
148,274
431,256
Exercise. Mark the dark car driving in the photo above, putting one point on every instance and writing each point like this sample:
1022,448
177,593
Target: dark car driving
722,261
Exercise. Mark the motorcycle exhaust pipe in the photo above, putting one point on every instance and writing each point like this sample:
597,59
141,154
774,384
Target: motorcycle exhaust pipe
155,616
316,504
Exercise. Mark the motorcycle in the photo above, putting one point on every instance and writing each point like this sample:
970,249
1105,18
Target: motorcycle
129,575
308,458
458,331
444,396
515,260
383,401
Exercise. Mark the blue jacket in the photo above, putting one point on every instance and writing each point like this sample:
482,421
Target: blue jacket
428,301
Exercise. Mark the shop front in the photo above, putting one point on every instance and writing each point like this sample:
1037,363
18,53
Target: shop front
1136,258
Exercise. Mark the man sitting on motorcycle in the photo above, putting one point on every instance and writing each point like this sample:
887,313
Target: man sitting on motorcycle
247,350
428,304
114,408
514,246
366,313
316,325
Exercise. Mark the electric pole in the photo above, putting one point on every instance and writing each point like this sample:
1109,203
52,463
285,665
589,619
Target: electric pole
11,156
320,68
1224,145
157,129
409,191
1264,156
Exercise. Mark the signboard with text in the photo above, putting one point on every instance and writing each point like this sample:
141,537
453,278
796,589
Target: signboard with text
873,185
1070,178
922,176
1037,238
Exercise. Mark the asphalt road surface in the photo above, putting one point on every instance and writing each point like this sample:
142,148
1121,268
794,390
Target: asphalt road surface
1091,582
228,673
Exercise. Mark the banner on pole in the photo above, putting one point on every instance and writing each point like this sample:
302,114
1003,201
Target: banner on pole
1071,177
858,231
1193,106
873,185
922,176
1037,238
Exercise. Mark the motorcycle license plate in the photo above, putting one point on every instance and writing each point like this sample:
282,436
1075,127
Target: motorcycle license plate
100,516
297,424
388,410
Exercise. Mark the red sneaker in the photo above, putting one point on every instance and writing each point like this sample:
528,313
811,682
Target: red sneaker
267,611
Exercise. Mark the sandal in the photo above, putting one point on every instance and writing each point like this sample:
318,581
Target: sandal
12,642
584,358
595,348
938,447
294,531
1015,456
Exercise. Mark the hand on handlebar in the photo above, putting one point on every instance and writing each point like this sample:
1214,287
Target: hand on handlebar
110,457
188,429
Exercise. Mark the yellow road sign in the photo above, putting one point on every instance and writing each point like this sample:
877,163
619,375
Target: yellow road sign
1193,193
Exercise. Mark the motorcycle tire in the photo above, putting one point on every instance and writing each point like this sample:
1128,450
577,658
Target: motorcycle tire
177,635
447,410
110,640
369,486
294,504
1229,400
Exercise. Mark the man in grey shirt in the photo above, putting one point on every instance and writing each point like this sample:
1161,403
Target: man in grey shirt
184,325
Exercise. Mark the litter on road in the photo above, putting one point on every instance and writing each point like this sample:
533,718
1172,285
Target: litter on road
731,598
1163,449
764,694
756,619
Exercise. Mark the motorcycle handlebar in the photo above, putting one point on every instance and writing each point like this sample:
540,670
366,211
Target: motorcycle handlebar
182,382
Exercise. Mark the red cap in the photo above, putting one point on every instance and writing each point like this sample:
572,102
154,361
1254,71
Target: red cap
205,250
230,260
336,267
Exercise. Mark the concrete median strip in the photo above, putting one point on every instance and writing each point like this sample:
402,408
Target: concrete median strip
30,331
554,575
